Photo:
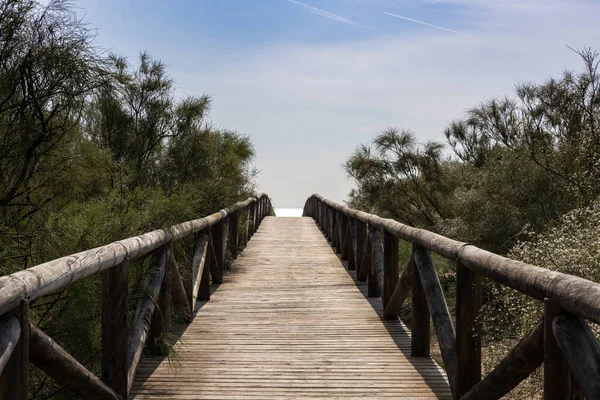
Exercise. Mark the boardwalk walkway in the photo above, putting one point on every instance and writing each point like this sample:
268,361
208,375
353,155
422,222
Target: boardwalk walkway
290,322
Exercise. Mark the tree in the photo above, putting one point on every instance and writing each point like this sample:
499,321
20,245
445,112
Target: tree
400,178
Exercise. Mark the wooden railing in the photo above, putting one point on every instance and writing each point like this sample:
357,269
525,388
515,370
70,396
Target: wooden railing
562,340
122,340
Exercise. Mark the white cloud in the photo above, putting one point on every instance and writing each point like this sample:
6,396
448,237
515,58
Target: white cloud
308,106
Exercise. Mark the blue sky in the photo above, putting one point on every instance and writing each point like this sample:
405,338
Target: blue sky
310,80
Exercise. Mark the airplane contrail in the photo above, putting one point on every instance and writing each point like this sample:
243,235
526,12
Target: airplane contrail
423,23
329,15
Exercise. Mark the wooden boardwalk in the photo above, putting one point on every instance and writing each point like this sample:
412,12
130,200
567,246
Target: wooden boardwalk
290,322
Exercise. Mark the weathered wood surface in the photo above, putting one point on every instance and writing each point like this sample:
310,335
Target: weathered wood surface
114,327
51,276
573,294
582,351
48,356
558,382
522,360
10,332
14,379
140,325
468,335
290,322
438,309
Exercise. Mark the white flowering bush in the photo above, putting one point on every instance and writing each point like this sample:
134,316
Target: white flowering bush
571,246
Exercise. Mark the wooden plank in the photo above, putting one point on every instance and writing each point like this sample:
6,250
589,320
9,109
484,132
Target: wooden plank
582,351
55,362
557,376
115,283
525,358
306,332
14,379
468,337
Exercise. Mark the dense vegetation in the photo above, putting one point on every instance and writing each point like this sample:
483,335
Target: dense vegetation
521,178
95,149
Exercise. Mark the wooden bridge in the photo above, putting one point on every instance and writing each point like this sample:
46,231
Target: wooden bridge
291,317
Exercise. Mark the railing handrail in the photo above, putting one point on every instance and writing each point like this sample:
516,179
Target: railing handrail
562,341
574,294
123,338
43,279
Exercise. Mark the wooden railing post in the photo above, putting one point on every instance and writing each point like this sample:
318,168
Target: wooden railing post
362,267
204,288
251,219
218,235
557,376
14,380
351,244
161,318
338,232
322,222
468,338
420,329
372,285
343,236
332,227
260,211
115,283
233,233
255,212
390,269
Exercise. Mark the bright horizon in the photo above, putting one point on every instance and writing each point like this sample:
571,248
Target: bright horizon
309,81
288,212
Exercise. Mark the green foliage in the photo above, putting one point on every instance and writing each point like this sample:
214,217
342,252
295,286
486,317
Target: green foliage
522,181
95,150
519,164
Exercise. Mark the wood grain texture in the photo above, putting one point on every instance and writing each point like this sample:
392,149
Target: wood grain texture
114,327
438,309
557,376
582,351
10,332
468,335
573,294
14,379
46,278
290,322
48,356
140,324
517,365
